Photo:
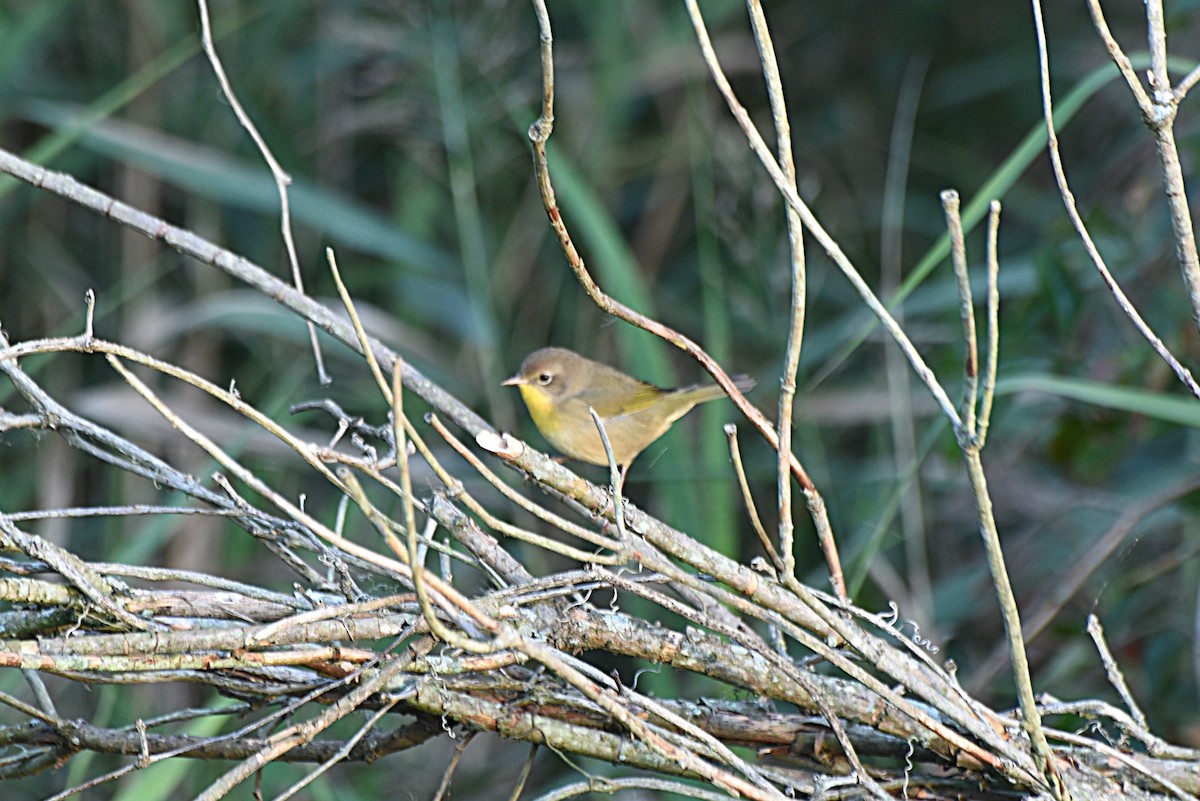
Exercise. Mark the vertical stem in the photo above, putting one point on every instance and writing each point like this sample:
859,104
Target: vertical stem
966,308
1174,192
972,445
787,383
1156,33
1181,216
993,322
1162,122
1030,719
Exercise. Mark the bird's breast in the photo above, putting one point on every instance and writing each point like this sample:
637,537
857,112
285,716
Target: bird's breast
541,409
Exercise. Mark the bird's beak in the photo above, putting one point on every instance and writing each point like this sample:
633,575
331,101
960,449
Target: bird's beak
515,381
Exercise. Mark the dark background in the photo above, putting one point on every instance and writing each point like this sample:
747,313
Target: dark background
404,126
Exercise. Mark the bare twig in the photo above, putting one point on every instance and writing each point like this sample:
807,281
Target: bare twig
1115,677
791,363
735,454
459,749
526,768
969,441
831,247
342,752
1064,189
282,179
521,676
616,477
993,321
559,522
966,307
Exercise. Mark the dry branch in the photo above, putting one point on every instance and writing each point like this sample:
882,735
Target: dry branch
835,700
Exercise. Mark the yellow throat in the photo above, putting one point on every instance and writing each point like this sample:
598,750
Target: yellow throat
541,409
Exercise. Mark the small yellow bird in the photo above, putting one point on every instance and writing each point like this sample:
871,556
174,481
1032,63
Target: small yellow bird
559,387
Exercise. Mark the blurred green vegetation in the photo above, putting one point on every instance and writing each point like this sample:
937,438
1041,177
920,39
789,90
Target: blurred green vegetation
404,126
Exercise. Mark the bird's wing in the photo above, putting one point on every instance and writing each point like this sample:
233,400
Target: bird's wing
639,396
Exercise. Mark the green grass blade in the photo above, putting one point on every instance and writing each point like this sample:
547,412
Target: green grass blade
1176,409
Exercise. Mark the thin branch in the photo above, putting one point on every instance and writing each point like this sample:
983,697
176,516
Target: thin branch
993,322
1158,110
1115,677
966,308
831,247
342,753
543,514
616,476
282,179
526,769
1189,81
799,281
1068,197
735,455
1017,653
1124,65
453,765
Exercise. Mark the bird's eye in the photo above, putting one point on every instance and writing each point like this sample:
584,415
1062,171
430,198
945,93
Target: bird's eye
545,378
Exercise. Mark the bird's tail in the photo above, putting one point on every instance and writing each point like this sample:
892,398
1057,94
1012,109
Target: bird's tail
699,393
